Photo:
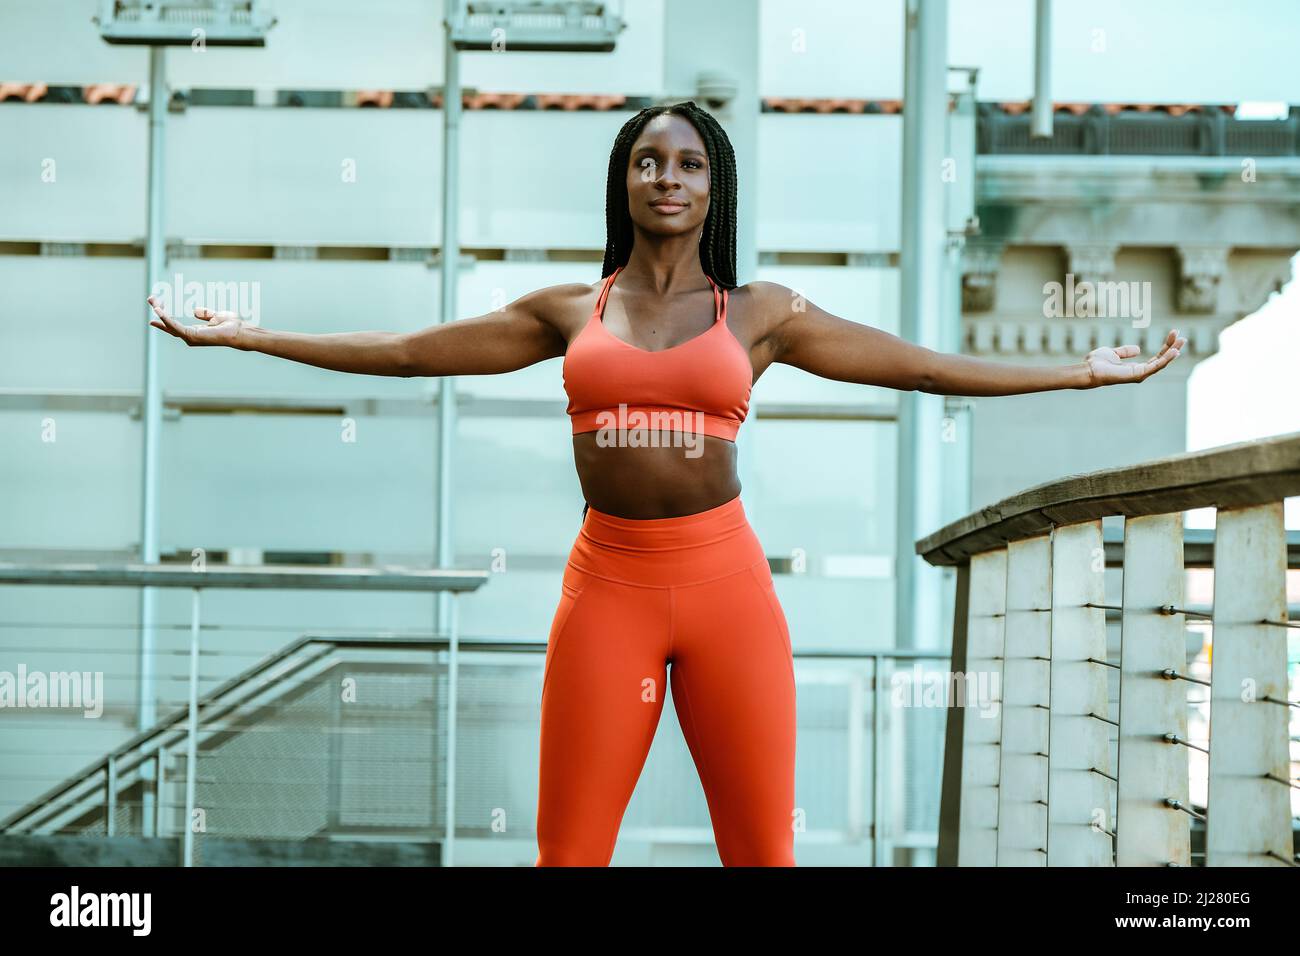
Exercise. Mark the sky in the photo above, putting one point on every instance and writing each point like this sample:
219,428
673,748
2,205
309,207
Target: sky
1251,387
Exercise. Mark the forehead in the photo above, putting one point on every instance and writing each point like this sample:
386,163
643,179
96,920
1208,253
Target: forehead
669,132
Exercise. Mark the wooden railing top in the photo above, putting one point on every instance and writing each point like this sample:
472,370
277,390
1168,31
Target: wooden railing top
1247,473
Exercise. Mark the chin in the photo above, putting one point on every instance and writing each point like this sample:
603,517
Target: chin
666,227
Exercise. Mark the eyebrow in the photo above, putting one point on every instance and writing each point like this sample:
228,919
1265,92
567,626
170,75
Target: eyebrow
689,150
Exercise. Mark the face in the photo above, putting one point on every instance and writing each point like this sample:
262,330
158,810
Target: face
668,178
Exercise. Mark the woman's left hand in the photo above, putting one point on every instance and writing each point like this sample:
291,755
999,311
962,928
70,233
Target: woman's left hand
1106,365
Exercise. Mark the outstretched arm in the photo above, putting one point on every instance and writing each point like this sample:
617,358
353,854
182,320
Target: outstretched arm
518,335
816,341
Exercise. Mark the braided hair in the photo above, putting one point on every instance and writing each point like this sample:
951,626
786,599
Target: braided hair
718,240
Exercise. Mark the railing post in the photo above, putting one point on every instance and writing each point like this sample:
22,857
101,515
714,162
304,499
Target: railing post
1022,795
954,751
1150,832
159,790
453,660
853,758
191,743
1080,771
110,796
981,725
877,786
1248,821
335,750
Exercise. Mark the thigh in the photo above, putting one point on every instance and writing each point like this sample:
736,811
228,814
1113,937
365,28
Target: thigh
733,687
602,696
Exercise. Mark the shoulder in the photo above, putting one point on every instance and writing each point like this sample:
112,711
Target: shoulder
764,300
764,307
560,297
563,309
560,306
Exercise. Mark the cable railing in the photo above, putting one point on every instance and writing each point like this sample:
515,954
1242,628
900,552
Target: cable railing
1052,780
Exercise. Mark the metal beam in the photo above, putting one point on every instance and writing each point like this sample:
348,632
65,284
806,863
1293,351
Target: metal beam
919,597
1041,127
151,407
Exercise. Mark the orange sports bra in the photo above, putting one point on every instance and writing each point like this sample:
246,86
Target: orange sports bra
701,385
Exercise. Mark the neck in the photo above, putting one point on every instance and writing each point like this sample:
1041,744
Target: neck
665,265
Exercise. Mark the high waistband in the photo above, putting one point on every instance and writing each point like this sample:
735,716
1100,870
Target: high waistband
663,552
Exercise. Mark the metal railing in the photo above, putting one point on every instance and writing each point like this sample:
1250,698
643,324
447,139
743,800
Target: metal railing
143,754
298,733
1053,780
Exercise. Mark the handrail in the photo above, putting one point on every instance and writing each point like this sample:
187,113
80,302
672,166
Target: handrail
278,576
1246,473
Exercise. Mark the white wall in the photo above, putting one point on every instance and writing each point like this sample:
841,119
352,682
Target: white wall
1179,51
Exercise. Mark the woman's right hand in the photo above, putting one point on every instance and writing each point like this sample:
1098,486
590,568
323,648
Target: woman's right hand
219,328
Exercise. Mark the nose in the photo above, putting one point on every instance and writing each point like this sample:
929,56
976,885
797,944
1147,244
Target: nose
666,176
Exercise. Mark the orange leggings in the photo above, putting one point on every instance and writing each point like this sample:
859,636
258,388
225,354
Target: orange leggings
638,594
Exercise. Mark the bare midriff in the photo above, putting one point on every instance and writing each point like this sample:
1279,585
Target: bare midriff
684,475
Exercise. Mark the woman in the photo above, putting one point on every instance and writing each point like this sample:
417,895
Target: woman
666,568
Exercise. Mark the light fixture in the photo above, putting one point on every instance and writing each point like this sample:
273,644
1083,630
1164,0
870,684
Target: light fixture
167,23
568,26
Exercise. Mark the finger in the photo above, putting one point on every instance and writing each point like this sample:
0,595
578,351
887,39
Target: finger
176,328
1161,361
158,311
202,313
162,325
1127,351
158,308
1172,341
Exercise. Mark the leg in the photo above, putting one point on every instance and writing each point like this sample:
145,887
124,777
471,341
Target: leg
601,700
733,687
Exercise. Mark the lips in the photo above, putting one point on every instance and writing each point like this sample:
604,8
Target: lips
667,205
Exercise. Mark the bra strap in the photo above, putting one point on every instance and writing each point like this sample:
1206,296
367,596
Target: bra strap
719,302
604,292
719,297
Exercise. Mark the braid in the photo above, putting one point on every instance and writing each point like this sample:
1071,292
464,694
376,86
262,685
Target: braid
718,240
